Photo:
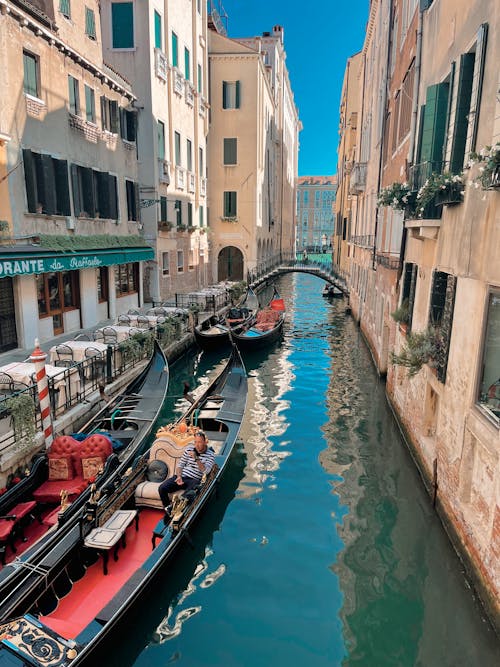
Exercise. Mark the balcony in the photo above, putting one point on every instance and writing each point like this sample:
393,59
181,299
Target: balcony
203,187
89,130
191,182
357,182
180,178
164,171
425,228
202,107
161,65
178,82
189,94
388,261
364,241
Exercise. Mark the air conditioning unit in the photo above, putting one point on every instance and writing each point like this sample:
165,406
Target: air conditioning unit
70,223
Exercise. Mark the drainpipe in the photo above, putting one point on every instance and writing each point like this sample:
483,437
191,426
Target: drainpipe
413,129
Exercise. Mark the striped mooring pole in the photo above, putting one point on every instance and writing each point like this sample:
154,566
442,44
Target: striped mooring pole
38,357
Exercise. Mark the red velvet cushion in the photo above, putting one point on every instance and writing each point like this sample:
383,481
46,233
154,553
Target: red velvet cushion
60,468
5,529
50,492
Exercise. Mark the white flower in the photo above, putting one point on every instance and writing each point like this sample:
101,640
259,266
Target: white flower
462,192
476,185
481,170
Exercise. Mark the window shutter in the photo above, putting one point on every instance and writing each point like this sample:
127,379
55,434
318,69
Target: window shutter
88,194
131,120
187,65
237,104
411,296
104,113
438,296
62,187
458,131
158,35
477,85
122,19
163,209
224,95
123,123
137,203
102,194
190,214
49,185
113,197
75,184
30,179
114,121
434,124
175,58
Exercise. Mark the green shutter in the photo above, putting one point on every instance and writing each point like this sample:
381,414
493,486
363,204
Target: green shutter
161,140
89,104
224,94
200,210
477,86
458,132
175,50
237,104
434,125
190,214
158,35
75,185
200,87
113,197
30,74
30,179
187,65
65,8
114,121
137,202
62,187
88,192
230,151
49,185
163,209
103,194
122,22
89,22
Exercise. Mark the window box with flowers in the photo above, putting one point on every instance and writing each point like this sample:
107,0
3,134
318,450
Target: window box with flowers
229,218
422,347
400,197
439,189
191,229
165,226
489,169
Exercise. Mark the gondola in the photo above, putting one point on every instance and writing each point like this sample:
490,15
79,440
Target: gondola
69,612
126,421
265,327
213,334
332,292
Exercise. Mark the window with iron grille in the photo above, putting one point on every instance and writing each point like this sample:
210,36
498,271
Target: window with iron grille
442,304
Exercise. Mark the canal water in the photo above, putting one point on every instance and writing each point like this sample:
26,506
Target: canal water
322,548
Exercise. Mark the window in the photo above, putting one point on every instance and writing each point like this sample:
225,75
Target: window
95,193
177,148
31,74
178,212
406,103
230,209
161,140
165,263
175,50
122,25
477,86
187,65
126,278
433,125
230,151
163,209
190,214
230,94
90,23
180,261
132,201
409,286
441,315
200,81
200,166
189,154
489,388
90,104
306,196
158,31
65,8
47,184
128,125
198,6
109,115
191,259
74,95
102,284
394,141
202,221
57,292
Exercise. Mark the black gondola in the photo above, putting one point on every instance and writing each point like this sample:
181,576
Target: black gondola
127,419
213,334
100,602
265,327
332,292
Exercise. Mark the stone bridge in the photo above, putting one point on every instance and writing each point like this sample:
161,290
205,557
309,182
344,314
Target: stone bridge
317,266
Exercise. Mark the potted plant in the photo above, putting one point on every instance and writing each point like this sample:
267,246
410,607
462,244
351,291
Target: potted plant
399,196
402,314
164,226
422,347
181,228
22,410
489,170
438,189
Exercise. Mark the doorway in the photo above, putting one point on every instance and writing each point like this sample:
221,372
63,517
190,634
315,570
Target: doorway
8,331
230,264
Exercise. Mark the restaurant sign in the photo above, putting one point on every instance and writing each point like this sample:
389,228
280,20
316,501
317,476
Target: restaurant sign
22,266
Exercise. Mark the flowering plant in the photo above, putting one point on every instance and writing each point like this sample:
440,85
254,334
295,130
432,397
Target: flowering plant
438,184
422,347
397,195
489,171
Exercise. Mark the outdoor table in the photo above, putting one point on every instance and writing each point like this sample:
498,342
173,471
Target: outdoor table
23,371
152,319
78,347
122,333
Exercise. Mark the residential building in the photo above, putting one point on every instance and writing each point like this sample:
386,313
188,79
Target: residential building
315,212
72,175
253,152
348,139
432,251
160,46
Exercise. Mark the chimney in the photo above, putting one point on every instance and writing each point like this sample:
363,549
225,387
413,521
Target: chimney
279,32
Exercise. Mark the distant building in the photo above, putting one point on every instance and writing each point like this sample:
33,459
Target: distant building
315,211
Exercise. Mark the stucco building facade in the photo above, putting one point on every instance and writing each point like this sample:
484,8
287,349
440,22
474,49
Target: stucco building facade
315,212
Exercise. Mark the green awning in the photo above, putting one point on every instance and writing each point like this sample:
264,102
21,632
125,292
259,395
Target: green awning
17,262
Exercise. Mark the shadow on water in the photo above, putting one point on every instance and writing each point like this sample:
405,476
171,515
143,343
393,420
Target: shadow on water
161,612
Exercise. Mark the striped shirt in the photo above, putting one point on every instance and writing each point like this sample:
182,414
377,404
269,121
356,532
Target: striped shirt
189,467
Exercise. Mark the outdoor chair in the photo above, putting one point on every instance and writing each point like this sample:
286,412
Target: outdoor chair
124,320
83,336
132,311
96,363
64,356
110,335
142,322
99,336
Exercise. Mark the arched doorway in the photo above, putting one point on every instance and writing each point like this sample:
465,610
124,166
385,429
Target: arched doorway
230,264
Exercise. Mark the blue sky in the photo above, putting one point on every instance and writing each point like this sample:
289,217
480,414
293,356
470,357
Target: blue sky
319,37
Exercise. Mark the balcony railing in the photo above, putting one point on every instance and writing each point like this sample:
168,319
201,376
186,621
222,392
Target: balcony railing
161,65
203,187
365,241
388,261
357,182
178,82
191,182
419,173
89,130
189,94
180,178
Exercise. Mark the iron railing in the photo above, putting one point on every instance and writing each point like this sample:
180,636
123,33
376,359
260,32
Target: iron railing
388,261
365,240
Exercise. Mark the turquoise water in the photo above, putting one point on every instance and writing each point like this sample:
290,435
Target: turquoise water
322,548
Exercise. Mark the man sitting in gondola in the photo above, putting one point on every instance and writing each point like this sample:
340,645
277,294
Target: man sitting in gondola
196,461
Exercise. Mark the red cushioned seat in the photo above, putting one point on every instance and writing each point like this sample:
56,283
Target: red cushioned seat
22,509
6,527
50,492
